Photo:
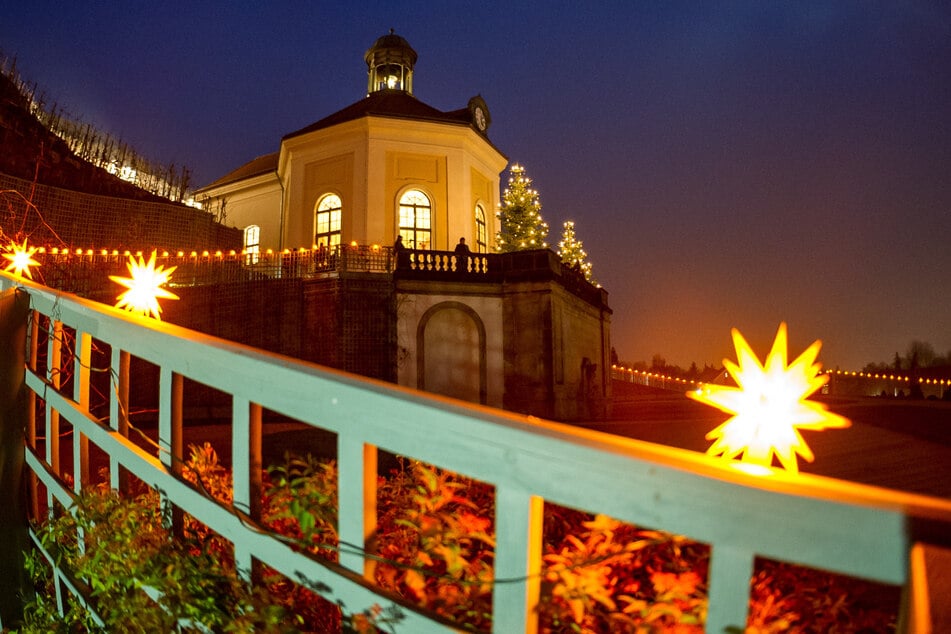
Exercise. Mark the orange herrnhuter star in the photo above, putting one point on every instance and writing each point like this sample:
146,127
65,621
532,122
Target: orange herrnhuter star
21,259
769,405
144,287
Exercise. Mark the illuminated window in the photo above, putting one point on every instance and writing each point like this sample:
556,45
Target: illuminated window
327,221
482,244
252,244
415,219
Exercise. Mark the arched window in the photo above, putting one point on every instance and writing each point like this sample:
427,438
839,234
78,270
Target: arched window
252,244
482,242
327,221
416,219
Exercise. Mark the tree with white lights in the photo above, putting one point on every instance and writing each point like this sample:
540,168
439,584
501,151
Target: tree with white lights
520,219
572,253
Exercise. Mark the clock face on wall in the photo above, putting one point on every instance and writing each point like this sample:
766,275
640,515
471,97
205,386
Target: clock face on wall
480,119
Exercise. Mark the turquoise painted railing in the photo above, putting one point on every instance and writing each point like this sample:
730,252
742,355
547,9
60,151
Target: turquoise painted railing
855,530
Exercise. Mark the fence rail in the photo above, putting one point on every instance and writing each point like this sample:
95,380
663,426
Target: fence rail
813,521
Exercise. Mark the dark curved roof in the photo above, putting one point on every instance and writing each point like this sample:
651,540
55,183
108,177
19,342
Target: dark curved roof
388,103
256,167
397,104
392,41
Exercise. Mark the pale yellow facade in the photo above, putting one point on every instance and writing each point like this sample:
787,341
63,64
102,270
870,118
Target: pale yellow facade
254,201
370,163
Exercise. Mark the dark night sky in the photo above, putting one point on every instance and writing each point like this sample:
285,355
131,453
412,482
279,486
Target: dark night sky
726,164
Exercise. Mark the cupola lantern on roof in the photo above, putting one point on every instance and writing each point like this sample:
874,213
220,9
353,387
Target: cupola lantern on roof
390,64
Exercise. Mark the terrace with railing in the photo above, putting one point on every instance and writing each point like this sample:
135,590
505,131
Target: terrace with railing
851,529
87,271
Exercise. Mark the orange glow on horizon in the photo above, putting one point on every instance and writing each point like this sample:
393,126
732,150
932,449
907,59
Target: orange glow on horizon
769,405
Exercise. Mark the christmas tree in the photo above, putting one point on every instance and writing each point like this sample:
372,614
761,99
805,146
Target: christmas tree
520,220
572,252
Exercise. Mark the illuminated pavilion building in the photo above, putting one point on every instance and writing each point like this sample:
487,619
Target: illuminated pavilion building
508,330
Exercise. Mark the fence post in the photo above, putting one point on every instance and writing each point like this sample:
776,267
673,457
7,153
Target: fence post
54,373
33,347
14,582
119,413
356,509
82,360
914,615
246,465
170,432
519,519
731,569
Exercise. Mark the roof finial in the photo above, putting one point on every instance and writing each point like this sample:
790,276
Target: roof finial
390,64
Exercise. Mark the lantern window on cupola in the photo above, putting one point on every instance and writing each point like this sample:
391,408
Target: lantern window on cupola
390,64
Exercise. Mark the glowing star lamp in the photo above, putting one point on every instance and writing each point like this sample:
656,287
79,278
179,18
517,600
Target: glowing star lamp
144,287
769,405
21,259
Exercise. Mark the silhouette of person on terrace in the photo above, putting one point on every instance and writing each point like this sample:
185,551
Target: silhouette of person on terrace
399,249
462,256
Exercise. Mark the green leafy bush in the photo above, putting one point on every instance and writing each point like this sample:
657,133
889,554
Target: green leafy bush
605,576
784,598
434,546
436,543
139,578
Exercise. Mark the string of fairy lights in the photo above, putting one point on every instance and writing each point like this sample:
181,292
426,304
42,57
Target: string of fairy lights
879,376
145,287
16,251
147,280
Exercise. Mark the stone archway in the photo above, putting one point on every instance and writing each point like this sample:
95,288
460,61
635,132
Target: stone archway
451,352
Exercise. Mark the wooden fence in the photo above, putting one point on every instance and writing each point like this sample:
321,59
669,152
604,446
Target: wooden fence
809,520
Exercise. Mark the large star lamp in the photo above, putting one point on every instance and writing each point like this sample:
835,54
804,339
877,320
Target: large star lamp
21,259
144,287
769,405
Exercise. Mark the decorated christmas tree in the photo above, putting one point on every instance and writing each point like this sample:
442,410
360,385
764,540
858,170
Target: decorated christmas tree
520,220
572,253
